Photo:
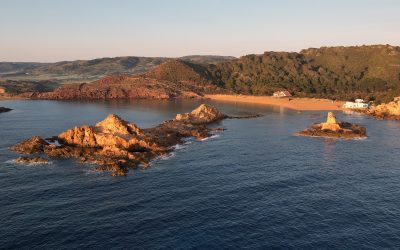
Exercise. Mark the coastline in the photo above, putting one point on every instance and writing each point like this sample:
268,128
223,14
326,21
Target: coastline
301,104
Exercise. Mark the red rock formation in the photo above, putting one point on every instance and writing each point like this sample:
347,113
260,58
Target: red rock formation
202,115
389,110
117,145
333,129
126,87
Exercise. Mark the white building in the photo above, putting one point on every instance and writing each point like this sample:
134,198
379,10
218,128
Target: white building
357,104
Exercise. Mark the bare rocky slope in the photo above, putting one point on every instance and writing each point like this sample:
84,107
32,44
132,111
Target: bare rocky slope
172,79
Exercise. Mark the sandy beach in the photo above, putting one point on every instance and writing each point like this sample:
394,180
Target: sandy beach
302,104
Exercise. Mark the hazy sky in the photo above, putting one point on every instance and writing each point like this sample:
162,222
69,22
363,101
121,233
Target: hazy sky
53,30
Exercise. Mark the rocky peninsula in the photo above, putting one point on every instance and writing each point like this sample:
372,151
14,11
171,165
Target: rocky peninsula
333,129
116,145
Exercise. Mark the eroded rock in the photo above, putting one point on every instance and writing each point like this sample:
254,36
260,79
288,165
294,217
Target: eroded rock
330,123
116,145
333,129
35,144
202,115
389,110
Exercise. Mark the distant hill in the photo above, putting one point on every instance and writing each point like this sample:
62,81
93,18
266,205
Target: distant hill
371,72
180,71
345,73
171,79
88,70
12,87
207,59
15,67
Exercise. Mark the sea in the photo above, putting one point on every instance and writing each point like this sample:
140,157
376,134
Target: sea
254,185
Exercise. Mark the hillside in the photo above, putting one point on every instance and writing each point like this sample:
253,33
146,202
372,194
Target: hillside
345,73
371,72
171,79
199,59
180,71
89,70
9,88
126,87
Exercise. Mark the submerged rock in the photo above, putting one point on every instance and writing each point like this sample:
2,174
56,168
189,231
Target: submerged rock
333,129
3,109
389,110
116,145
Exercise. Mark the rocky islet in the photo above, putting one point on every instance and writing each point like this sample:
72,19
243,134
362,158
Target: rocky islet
116,145
333,129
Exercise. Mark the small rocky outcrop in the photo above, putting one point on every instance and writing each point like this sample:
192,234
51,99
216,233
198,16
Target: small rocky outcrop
116,145
389,110
35,144
202,115
3,109
333,129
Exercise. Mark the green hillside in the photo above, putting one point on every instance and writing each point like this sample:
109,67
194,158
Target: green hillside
371,72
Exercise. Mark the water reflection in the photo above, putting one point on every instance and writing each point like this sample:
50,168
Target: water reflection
329,150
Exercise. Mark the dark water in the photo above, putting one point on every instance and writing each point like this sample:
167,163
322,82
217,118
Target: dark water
254,186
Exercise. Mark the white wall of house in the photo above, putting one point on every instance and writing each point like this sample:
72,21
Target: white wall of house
355,105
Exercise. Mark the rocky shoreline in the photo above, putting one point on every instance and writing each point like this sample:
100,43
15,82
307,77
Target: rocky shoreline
333,129
386,111
116,145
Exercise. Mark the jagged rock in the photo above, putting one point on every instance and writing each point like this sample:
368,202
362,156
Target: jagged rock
389,110
33,160
333,129
116,145
114,124
330,123
202,115
35,144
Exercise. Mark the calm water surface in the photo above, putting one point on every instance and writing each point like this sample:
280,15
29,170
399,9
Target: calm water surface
253,186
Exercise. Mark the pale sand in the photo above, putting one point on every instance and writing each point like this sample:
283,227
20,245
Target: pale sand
295,103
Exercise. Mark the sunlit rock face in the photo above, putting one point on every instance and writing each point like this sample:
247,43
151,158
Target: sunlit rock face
330,123
333,129
202,115
117,145
389,110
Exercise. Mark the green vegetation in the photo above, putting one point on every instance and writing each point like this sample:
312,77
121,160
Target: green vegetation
19,87
89,70
345,73
369,72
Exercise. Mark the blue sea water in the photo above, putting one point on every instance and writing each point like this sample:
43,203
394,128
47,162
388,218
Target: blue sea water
253,186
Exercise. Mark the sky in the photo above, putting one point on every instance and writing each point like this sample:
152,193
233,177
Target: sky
56,30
